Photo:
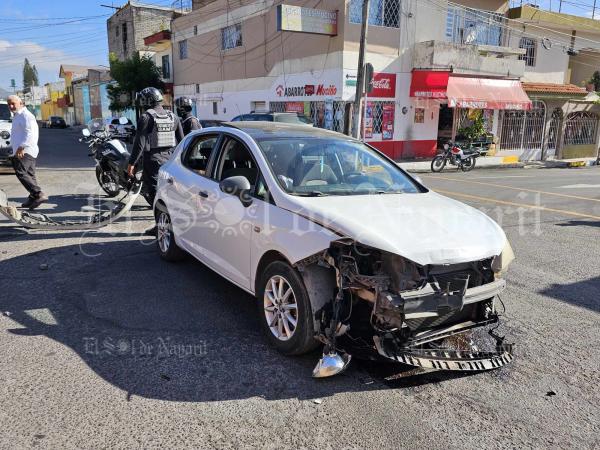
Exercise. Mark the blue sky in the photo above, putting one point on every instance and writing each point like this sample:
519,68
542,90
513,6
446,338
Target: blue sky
36,29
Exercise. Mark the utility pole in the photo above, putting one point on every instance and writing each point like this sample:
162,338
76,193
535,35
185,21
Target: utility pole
594,10
560,6
360,74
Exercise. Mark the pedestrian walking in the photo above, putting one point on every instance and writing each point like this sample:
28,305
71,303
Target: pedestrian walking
24,137
184,110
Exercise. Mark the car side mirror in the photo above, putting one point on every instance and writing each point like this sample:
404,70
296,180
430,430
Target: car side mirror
86,132
238,186
123,120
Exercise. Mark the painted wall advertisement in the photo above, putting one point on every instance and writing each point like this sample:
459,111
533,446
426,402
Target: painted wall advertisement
387,122
369,120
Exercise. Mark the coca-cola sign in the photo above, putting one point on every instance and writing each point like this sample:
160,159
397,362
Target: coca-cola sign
384,85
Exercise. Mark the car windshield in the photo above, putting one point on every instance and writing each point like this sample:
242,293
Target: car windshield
317,166
4,112
292,118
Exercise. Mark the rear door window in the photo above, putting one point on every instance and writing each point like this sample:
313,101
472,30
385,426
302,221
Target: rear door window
199,152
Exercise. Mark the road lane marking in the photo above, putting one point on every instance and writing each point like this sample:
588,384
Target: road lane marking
522,205
520,189
581,186
508,176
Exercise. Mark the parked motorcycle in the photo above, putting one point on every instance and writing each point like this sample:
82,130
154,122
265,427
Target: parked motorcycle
455,155
111,158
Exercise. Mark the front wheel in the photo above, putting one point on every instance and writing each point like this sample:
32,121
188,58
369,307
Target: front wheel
284,310
107,182
438,163
468,164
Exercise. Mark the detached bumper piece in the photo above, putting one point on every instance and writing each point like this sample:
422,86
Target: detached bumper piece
43,222
451,360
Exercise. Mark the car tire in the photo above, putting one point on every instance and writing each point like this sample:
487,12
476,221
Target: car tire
276,314
165,239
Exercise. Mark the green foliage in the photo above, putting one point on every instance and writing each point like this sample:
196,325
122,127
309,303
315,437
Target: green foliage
131,76
595,80
475,130
30,76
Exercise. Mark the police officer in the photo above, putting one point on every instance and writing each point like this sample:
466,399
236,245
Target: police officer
158,132
184,111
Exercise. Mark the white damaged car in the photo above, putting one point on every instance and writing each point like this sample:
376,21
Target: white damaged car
5,129
340,246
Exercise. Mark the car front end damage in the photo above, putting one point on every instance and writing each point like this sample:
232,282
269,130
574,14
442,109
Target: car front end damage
373,302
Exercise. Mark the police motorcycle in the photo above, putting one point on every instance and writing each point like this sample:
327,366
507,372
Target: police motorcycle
457,156
111,157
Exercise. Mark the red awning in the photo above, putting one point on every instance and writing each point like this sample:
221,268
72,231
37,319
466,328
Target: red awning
429,84
470,92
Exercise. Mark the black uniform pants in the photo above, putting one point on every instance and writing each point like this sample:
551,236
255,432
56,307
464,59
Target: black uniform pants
25,171
152,164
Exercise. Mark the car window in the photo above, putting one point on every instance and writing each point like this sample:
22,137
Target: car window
198,153
292,118
115,122
237,118
4,112
236,160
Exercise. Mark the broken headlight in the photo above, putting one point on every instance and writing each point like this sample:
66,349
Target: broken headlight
502,261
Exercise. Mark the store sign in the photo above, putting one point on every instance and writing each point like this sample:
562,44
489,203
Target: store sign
384,85
297,107
308,90
306,20
387,122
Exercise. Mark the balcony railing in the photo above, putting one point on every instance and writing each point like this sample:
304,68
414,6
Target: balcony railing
474,26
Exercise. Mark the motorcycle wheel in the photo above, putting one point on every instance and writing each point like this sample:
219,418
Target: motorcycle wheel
107,183
438,163
468,164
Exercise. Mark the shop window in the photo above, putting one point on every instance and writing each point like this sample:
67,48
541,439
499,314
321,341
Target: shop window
581,128
474,26
383,13
231,36
183,49
530,46
166,67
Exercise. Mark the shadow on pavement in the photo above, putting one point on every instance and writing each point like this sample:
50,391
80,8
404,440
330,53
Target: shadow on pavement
582,293
577,223
158,330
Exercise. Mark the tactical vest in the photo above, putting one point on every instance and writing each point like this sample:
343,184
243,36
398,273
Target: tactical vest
163,133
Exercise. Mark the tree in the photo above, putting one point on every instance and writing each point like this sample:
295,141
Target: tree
36,79
30,76
595,80
131,76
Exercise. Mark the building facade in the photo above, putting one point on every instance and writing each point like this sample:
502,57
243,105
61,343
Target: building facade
90,96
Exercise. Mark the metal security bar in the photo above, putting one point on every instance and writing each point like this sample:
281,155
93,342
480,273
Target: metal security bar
581,128
554,128
383,13
474,26
524,130
324,114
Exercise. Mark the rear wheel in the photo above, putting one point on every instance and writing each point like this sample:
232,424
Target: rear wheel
438,163
165,239
107,182
468,164
285,311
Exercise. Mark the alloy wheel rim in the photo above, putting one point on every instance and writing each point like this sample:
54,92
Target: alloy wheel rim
163,232
281,308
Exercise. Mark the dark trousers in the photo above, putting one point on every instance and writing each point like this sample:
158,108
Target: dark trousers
25,171
152,164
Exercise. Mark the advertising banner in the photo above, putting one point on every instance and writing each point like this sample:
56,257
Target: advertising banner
297,107
387,122
306,20
369,120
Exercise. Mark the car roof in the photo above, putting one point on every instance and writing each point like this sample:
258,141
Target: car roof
260,129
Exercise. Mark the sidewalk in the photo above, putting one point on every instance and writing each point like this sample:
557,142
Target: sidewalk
501,162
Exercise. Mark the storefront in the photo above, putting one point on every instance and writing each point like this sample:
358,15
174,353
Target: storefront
464,99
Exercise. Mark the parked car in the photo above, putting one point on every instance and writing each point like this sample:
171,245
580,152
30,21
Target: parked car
285,117
340,246
126,130
56,122
5,127
210,123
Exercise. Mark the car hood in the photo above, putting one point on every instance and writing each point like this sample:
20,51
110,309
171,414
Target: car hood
426,228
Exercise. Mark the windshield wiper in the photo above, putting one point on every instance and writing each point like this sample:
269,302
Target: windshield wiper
311,194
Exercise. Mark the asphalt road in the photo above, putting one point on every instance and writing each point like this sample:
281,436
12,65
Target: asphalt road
104,345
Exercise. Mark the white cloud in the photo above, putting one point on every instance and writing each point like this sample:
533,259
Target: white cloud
47,61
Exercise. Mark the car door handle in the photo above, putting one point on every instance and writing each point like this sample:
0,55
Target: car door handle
170,180
203,194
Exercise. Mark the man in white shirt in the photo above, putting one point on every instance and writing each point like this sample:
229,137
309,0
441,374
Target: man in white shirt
24,142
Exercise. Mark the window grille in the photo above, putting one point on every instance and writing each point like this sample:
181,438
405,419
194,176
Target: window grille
231,36
530,45
183,50
383,13
524,130
581,128
166,67
474,26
